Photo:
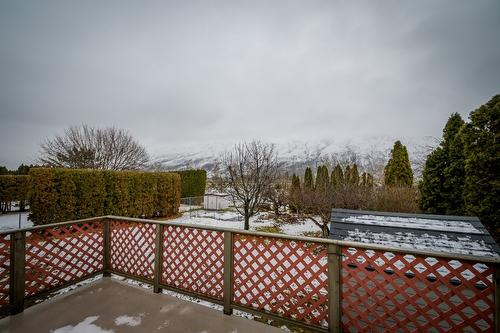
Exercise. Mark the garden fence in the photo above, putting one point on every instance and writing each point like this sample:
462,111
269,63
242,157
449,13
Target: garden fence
316,284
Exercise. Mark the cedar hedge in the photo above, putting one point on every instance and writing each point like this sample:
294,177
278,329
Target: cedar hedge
13,188
68,194
193,182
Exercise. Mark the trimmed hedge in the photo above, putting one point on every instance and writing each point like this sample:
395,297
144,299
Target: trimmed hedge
13,188
193,182
67,194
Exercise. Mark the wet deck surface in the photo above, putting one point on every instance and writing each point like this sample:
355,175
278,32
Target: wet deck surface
107,306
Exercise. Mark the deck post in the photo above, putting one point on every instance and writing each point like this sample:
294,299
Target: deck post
17,266
497,298
228,272
107,248
158,258
334,288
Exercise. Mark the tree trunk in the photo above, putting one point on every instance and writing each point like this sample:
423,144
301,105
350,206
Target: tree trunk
247,218
247,222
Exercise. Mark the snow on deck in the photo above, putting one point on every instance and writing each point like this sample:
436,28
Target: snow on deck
413,223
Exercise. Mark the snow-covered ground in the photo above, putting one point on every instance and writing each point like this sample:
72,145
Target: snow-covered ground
231,219
12,221
223,219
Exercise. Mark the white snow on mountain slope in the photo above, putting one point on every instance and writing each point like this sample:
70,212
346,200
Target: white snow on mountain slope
369,153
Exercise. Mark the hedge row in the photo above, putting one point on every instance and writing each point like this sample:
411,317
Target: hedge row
68,194
193,183
13,188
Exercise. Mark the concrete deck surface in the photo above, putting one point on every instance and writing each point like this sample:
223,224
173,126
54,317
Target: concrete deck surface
107,306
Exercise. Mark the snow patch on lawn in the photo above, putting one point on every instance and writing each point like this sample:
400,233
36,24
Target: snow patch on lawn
233,220
86,326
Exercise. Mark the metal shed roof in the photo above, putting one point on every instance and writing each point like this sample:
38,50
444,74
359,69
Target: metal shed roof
444,233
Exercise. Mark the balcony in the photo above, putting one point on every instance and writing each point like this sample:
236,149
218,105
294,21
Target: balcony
316,284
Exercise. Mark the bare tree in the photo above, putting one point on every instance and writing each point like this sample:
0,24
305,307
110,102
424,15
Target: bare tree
315,206
87,147
247,173
278,195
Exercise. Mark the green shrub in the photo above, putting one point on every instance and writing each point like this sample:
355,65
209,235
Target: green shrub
193,183
13,188
67,194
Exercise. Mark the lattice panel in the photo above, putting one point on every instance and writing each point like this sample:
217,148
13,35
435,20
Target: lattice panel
4,270
395,292
288,278
193,260
133,248
58,255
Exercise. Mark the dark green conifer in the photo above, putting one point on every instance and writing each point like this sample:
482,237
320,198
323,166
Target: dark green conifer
354,175
308,179
322,179
295,182
443,177
398,170
481,138
337,177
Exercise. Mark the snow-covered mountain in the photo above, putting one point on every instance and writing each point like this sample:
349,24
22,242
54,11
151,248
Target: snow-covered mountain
370,154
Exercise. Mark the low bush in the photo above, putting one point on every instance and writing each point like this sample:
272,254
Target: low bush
66,194
394,199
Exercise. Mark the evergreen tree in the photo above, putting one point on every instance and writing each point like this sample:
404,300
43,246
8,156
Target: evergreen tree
398,170
354,175
308,179
337,177
295,183
23,169
454,171
482,164
431,186
369,180
347,175
443,176
4,170
322,179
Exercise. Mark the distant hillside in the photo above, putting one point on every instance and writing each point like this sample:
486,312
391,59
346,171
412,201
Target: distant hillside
370,154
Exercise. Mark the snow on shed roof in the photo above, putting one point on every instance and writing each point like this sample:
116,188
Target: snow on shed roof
451,234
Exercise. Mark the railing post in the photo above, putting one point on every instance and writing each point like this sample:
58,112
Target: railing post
158,258
107,248
334,288
497,298
17,269
228,272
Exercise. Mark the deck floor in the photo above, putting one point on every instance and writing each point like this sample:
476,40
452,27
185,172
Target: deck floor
107,306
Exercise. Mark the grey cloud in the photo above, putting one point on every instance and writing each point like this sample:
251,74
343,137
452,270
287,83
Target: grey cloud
222,71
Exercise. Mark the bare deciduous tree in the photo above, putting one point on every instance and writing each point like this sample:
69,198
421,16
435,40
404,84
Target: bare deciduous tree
247,173
87,147
277,195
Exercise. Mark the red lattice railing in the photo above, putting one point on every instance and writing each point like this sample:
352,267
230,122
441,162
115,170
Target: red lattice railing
380,291
193,260
283,277
132,248
4,270
384,291
61,254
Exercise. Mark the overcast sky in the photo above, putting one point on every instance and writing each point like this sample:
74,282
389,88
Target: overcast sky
208,71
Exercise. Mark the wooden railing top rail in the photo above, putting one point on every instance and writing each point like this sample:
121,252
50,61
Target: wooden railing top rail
358,245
